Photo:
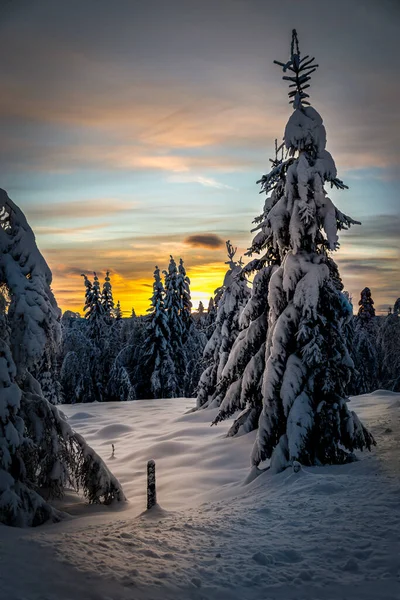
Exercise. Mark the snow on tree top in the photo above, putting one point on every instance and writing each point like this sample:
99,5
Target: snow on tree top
305,129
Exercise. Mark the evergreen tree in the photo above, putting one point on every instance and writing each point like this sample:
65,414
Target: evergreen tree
183,290
365,347
239,387
118,312
119,387
389,345
173,302
128,326
305,416
176,325
94,310
155,373
200,318
107,301
38,449
216,352
96,332
366,312
210,318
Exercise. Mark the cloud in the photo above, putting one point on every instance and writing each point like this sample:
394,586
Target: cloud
133,103
205,181
81,209
45,230
204,240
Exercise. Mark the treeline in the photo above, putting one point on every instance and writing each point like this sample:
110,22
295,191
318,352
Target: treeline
174,351
376,347
105,357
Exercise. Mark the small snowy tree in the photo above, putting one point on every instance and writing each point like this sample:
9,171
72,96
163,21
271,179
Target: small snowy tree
305,416
389,345
365,347
38,449
216,352
107,300
119,386
118,312
199,316
366,312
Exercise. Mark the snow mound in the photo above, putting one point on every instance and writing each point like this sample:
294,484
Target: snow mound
80,416
113,431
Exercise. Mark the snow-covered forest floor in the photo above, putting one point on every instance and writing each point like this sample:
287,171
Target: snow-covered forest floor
331,532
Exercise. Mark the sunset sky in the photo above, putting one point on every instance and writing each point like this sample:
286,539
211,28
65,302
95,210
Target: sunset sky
136,129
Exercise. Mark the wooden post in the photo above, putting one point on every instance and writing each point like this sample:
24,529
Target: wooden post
151,484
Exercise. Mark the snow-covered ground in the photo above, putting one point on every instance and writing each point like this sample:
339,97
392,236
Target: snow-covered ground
331,533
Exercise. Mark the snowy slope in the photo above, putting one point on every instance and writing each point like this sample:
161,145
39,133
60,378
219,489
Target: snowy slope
328,532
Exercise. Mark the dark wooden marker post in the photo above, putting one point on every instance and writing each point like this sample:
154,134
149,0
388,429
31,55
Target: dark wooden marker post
151,484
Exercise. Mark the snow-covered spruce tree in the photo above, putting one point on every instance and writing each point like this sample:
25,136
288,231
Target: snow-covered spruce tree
94,310
38,449
118,312
239,388
209,318
173,305
119,387
80,359
235,295
96,330
365,349
183,289
366,312
107,300
193,339
155,373
305,416
211,311
199,316
389,346
127,327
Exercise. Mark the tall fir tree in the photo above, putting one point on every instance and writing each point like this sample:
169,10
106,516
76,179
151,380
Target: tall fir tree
210,318
94,310
183,290
176,325
389,346
235,295
96,332
155,373
365,347
118,312
305,416
107,300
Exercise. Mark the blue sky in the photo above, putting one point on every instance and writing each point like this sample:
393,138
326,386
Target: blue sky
132,130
